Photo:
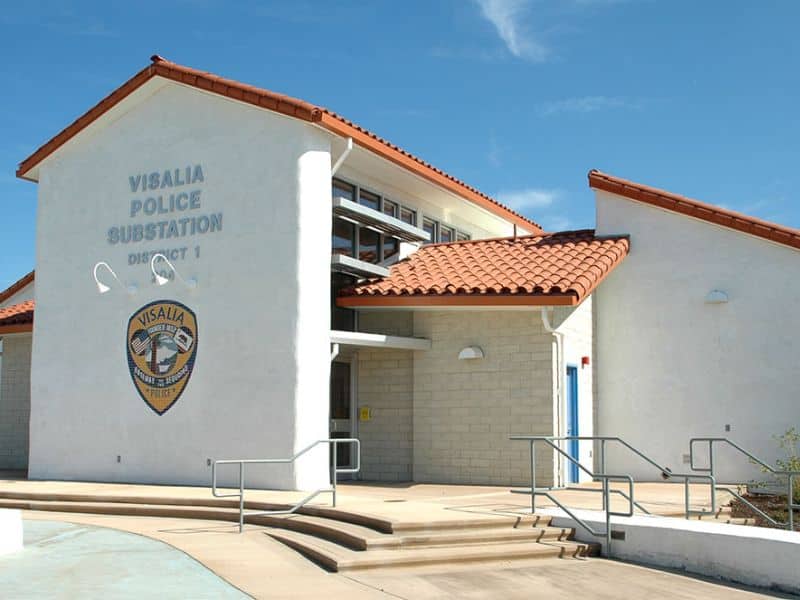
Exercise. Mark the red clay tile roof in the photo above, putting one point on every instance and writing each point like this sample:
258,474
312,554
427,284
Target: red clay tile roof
551,269
285,105
694,208
16,286
17,317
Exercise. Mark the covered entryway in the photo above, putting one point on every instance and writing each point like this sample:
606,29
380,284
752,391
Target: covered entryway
371,399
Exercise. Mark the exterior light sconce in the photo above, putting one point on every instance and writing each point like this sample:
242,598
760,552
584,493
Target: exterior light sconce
470,353
716,297
190,283
102,287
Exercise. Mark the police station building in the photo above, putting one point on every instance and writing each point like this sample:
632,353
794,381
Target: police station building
227,272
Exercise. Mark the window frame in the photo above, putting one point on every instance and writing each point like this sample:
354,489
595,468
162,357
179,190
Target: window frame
418,219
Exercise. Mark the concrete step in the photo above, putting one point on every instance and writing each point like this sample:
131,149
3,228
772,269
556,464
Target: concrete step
338,558
191,508
376,523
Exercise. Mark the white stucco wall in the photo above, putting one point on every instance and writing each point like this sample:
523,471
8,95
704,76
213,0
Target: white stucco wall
674,367
755,556
576,325
260,383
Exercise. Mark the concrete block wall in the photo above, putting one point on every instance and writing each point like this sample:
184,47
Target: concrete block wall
465,410
385,384
15,401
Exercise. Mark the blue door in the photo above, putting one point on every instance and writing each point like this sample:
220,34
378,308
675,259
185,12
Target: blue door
572,421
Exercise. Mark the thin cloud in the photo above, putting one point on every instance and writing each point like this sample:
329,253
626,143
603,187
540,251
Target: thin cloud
509,18
529,198
586,104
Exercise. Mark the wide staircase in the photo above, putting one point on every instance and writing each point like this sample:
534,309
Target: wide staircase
342,540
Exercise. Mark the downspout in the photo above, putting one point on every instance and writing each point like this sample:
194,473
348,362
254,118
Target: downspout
340,161
558,369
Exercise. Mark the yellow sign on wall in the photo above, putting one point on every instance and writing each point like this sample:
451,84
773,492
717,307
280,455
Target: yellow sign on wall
364,413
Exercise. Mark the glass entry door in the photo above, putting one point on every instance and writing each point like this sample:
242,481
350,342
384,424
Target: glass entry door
341,409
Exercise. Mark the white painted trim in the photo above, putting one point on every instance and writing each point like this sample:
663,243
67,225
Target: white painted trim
376,340
347,264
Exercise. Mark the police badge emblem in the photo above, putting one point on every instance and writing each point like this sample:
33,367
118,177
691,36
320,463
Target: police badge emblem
162,346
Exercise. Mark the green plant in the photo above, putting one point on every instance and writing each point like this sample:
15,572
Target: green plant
789,443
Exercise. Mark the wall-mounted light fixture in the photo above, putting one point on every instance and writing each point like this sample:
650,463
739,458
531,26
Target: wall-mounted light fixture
102,287
716,297
470,353
191,283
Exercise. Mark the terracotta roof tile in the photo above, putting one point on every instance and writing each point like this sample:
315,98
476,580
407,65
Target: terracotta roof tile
17,314
555,268
781,234
287,105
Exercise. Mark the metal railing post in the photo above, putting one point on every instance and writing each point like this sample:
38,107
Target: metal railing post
603,467
790,501
241,497
606,508
335,473
533,476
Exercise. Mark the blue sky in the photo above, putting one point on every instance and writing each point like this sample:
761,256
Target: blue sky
519,98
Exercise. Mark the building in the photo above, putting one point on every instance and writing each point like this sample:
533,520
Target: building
320,281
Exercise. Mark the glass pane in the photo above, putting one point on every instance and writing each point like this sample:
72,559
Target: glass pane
446,234
390,208
369,245
429,225
408,216
340,390
368,199
343,237
343,190
391,246
462,237
342,319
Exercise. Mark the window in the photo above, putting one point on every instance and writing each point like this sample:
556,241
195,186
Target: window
408,216
462,237
343,190
344,237
431,227
446,234
391,246
369,200
390,208
369,245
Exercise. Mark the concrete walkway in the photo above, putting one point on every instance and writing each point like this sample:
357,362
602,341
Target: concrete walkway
264,568
66,560
397,502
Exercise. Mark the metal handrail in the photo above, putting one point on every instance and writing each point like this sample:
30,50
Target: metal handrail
335,472
791,506
605,477
666,472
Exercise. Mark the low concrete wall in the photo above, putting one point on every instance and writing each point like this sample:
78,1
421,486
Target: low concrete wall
10,530
755,556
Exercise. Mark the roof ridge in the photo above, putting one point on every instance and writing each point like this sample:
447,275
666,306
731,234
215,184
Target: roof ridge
724,217
281,103
17,286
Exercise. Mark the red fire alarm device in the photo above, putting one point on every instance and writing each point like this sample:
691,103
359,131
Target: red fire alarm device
584,361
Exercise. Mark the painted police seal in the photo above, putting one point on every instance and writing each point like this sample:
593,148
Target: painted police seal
162,346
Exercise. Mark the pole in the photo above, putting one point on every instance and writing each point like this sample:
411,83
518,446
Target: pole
241,497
